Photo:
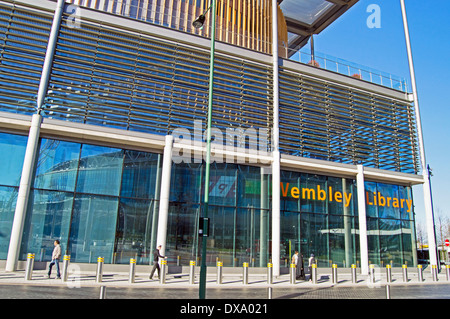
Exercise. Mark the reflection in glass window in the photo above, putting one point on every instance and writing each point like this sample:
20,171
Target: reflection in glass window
93,228
57,165
8,199
100,170
140,171
13,149
136,230
48,220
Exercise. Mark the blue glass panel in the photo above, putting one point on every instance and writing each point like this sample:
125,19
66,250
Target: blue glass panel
13,149
100,170
48,219
140,173
8,198
93,228
136,228
57,165
388,201
370,193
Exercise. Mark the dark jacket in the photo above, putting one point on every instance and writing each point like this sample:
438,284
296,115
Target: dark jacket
156,255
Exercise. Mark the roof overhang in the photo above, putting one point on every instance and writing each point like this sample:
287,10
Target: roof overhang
307,17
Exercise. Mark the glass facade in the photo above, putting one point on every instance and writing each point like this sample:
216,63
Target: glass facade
320,217
99,201
390,224
238,211
11,170
103,201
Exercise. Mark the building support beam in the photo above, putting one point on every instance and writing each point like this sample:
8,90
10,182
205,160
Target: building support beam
23,194
275,148
429,214
364,248
164,195
32,144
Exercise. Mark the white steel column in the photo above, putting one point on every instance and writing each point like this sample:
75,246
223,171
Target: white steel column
22,196
275,149
364,250
431,232
164,195
32,143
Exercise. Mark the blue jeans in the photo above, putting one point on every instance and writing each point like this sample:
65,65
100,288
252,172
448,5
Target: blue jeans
54,262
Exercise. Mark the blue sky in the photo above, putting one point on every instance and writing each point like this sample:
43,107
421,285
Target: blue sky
384,49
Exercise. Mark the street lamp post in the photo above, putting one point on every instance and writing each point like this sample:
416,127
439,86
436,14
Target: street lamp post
428,202
198,23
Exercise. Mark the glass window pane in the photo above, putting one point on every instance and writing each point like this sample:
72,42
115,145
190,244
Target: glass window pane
373,240
48,219
182,228
390,242
136,230
140,173
290,197
388,201
8,199
312,226
93,228
100,170
313,193
370,192
222,186
252,188
13,149
186,183
57,165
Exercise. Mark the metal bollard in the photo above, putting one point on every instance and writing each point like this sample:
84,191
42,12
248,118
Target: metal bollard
219,272
245,274
192,272
334,276
65,274
434,272
388,292
269,273
388,273
372,273
447,267
314,273
99,276
102,292
420,273
269,292
292,274
354,278
30,266
405,273
132,270
162,277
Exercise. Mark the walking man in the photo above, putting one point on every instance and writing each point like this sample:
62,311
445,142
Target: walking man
156,256
56,256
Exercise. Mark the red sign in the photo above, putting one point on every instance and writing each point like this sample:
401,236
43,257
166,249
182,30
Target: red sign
447,242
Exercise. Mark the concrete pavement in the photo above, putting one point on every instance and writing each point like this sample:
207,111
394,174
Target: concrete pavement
256,279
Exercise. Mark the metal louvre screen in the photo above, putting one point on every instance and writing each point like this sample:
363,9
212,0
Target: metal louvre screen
102,76
111,76
23,42
322,120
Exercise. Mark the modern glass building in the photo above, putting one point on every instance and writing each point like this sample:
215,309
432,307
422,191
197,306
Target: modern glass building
103,110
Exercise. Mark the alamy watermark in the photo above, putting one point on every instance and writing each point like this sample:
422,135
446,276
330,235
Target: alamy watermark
230,145
74,18
374,19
